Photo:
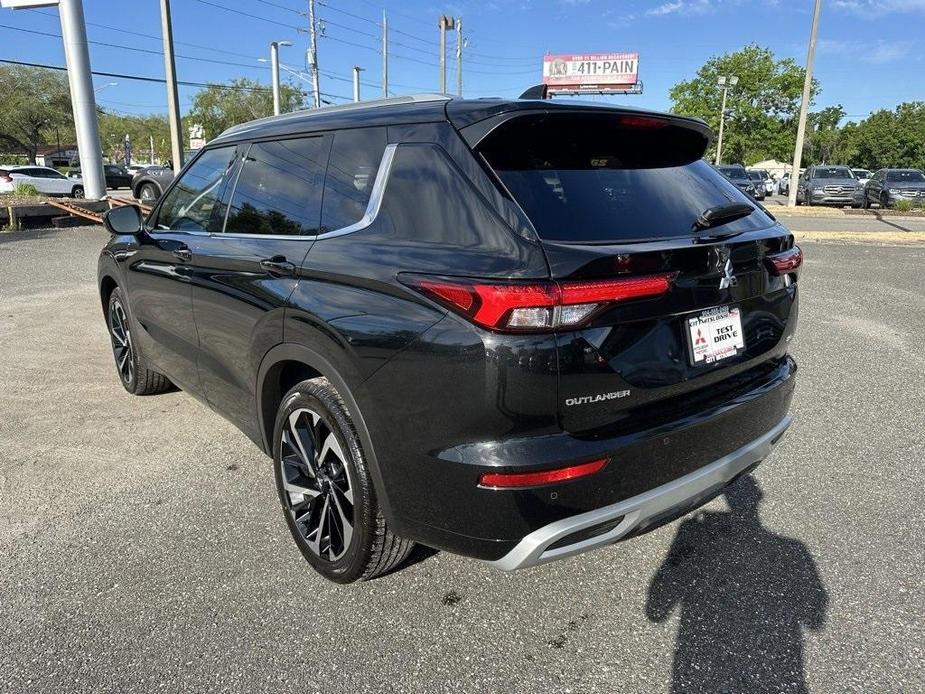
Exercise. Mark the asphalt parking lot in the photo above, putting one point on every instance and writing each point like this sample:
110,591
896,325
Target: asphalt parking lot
142,546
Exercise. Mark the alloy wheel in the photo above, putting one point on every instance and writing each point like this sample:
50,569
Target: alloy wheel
121,342
318,484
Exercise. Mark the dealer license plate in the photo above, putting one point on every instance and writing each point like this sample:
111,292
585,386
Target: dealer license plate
715,334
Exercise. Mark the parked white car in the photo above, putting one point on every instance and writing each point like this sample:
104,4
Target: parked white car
863,175
46,180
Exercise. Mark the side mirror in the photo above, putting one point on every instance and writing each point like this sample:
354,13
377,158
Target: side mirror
123,220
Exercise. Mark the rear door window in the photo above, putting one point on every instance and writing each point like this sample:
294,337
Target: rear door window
352,169
586,180
279,188
193,203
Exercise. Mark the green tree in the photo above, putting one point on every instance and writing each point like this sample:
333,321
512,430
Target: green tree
33,102
823,142
140,129
761,110
891,138
218,107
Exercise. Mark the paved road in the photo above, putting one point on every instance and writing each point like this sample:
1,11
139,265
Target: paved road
142,547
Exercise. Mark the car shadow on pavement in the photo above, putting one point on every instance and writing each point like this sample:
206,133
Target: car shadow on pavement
745,595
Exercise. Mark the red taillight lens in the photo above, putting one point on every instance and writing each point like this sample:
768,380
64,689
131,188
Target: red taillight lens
6,178
788,261
512,306
511,480
642,122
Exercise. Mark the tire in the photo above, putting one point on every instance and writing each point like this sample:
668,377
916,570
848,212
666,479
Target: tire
131,366
147,194
325,488
77,192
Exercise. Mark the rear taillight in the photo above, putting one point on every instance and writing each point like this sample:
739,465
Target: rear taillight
786,262
513,480
535,306
6,178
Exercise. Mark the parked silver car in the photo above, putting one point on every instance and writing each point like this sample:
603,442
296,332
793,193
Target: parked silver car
829,185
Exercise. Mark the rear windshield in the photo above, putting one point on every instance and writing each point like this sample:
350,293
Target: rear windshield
832,172
575,185
905,177
861,173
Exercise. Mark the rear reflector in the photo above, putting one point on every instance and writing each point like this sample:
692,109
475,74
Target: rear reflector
788,261
521,307
510,480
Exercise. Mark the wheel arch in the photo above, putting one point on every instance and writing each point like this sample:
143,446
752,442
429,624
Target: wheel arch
288,364
108,283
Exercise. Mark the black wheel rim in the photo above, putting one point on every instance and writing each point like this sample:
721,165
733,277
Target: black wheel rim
121,342
317,484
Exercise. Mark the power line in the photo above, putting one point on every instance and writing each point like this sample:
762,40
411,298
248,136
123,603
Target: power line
282,7
246,14
138,50
141,78
150,36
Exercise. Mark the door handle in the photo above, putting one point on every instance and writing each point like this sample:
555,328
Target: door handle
182,253
278,265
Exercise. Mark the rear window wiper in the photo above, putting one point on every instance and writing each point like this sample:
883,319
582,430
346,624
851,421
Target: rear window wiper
722,214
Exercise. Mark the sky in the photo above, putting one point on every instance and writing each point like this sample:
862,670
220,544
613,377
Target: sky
871,53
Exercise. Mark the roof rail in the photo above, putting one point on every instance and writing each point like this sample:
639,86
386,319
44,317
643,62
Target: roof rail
324,110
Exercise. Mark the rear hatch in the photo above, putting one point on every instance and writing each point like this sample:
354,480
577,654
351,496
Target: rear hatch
697,312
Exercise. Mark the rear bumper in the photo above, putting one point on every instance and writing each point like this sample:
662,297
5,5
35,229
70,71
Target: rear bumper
550,542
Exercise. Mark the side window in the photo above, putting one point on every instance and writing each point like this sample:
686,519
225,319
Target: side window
192,204
352,168
278,190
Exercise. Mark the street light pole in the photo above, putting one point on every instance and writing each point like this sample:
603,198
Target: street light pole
725,84
804,107
108,84
356,82
77,57
173,99
443,24
274,70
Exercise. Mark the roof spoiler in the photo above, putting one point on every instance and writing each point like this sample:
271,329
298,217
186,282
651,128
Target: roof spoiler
537,91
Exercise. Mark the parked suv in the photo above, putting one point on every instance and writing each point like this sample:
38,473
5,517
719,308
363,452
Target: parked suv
493,327
829,185
888,186
739,177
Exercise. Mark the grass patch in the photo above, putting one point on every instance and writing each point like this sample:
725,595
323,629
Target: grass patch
25,190
903,206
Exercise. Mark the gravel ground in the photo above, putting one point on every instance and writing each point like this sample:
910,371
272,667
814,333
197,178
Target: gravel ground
142,546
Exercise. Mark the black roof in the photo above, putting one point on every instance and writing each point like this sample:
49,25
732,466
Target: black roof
421,108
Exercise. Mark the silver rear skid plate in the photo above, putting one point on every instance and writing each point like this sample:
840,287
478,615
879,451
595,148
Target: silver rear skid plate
535,548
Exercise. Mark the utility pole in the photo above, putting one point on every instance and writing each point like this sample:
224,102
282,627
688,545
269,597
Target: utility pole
173,100
83,101
356,82
151,149
385,56
313,52
443,24
804,107
274,70
459,47
725,84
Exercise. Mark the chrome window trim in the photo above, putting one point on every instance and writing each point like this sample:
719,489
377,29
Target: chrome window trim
372,209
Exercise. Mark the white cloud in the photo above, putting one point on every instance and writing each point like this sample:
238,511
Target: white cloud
887,52
681,7
833,47
880,7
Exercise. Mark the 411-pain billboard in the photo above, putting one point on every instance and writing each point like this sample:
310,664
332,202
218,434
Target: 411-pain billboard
599,73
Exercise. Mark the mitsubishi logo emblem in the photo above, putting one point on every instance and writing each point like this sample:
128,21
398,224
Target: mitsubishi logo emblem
728,279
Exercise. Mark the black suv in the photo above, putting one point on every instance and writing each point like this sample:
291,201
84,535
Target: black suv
515,330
